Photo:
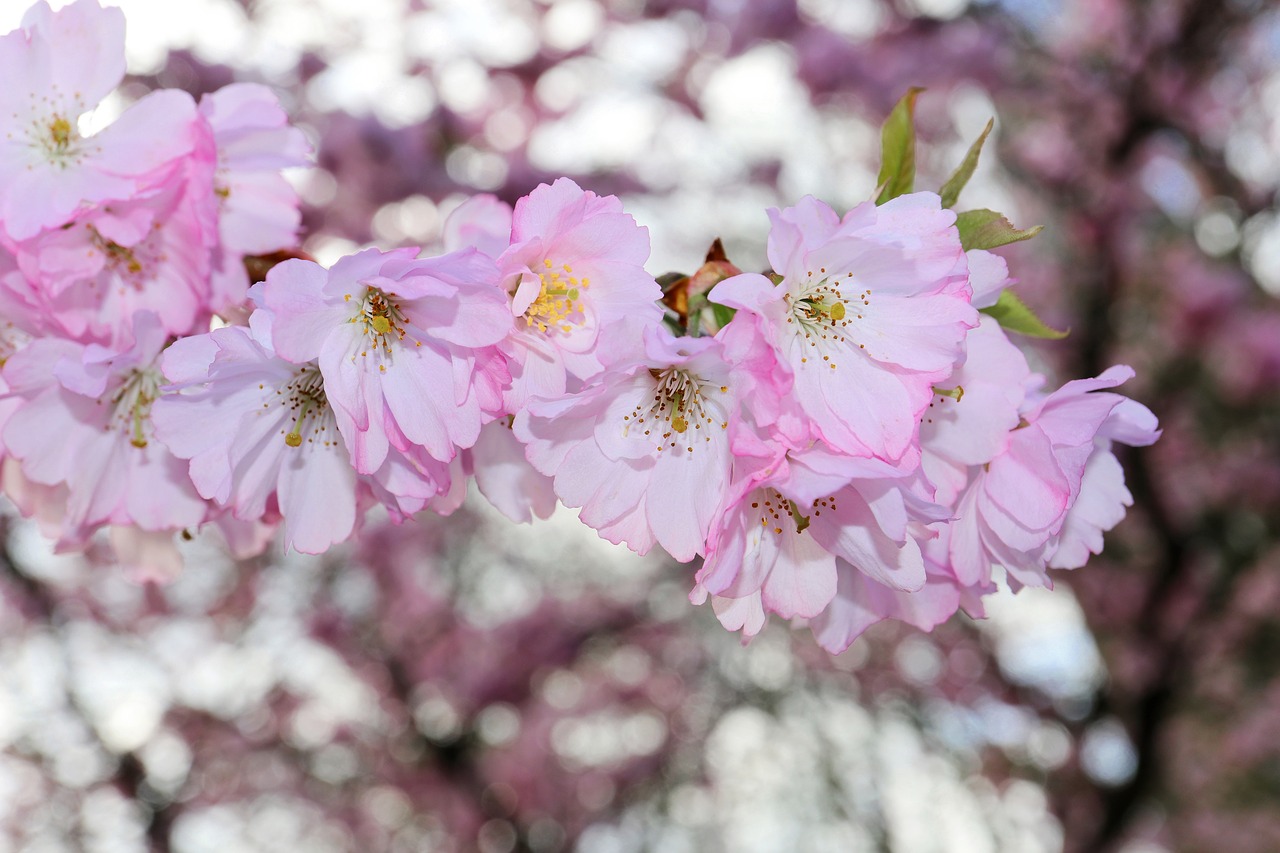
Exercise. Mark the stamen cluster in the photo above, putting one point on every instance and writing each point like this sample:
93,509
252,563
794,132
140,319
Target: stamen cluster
558,305
678,405
304,398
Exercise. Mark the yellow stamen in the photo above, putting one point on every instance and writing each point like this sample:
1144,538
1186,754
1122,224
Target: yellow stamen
557,305
294,437
60,132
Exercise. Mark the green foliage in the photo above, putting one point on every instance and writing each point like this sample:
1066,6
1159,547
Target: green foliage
950,191
698,303
986,229
722,313
693,319
898,149
1014,316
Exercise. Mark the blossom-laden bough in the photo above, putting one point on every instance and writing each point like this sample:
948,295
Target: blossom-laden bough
848,437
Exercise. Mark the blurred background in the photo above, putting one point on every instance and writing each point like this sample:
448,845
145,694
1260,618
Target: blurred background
468,684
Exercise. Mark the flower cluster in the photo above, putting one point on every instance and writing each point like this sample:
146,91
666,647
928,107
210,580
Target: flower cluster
842,440
113,244
857,442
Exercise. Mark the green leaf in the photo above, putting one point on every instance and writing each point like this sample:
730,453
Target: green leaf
898,149
698,303
722,313
951,189
986,229
1014,316
693,319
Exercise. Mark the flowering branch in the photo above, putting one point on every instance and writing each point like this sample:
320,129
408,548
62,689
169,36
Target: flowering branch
848,437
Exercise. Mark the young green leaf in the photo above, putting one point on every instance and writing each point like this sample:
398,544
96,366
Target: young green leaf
986,229
950,191
1014,316
898,149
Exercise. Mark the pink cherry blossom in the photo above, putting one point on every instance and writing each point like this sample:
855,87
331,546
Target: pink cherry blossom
969,419
57,67
405,346
852,444
1102,500
1017,504
502,473
21,315
578,289
871,311
85,424
793,524
44,505
260,435
644,451
257,208
151,253
988,276
505,477
264,440
861,602
481,222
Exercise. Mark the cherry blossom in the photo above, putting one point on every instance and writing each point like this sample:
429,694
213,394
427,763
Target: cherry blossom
389,333
85,424
1016,505
257,208
57,67
260,434
794,524
579,292
643,451
871,310
852,442
91,276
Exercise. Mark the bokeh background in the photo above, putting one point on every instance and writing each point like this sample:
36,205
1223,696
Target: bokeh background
467,684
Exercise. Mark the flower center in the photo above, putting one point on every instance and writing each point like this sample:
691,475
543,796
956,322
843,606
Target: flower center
678,411
559,304
131,404
383,321
60,134
820,312
304,396
121,259
56,138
